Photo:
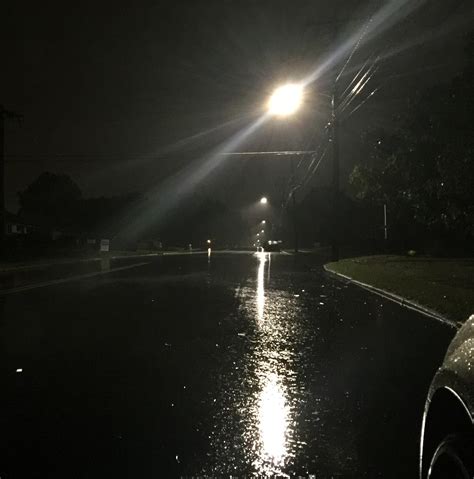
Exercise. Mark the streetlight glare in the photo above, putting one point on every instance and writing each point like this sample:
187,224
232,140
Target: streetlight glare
264,200
263,222
285,100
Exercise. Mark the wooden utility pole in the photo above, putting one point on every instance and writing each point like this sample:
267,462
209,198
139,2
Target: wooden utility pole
294,207
335,174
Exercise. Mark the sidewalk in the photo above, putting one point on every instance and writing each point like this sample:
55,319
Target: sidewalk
438,287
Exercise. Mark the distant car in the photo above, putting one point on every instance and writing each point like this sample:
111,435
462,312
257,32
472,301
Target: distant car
447,435
272,245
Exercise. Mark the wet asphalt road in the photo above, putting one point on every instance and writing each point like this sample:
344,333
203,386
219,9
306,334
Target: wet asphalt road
212,366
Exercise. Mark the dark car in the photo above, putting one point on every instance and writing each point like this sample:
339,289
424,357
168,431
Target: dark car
447,444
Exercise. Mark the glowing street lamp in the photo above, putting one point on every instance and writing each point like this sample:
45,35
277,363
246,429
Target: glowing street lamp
263,222
263,200
286,100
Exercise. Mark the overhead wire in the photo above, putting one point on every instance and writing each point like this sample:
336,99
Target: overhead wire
355,48
356,76
363,102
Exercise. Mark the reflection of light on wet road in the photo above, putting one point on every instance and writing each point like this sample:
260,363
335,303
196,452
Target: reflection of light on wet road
208,255
262,257
257,430
271,411
269,266
273,424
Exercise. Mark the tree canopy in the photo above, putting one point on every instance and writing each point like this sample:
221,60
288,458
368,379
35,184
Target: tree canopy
424,171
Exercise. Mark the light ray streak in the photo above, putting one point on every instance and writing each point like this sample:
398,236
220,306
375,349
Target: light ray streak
355,78
356,47
389,14
357,90
275,153
176,188
364,102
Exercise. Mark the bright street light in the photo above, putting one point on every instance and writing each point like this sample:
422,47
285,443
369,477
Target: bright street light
264,200
285,100
263,231
263,222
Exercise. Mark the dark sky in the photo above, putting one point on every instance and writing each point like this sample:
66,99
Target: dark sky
106,87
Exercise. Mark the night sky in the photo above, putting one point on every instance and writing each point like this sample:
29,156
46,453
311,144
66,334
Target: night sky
109,90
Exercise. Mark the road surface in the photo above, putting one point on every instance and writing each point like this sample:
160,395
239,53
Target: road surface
212,366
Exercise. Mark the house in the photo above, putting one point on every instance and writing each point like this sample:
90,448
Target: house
15,226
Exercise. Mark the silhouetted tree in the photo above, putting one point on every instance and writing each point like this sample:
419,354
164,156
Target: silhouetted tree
50,201
425,170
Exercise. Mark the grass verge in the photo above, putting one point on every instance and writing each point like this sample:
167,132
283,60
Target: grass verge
444,285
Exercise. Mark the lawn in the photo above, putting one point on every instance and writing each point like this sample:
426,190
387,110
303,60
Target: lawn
444,285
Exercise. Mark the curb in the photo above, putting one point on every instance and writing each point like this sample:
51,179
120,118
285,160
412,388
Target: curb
395,298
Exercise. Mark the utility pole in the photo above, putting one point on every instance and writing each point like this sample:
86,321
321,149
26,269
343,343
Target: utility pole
4,114
295,222
335,174
293,200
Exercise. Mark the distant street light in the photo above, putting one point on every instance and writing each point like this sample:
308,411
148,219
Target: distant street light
263,200
263,222
208,241
285,100
258,234
263,231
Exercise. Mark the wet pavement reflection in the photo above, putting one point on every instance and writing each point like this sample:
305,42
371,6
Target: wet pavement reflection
271,411
252,365
267,394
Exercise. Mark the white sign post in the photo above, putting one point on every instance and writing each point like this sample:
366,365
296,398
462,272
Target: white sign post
104,245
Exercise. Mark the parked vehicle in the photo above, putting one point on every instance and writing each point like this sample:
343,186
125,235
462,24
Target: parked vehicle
447,437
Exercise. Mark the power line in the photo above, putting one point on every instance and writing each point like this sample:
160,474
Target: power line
103,159
267,153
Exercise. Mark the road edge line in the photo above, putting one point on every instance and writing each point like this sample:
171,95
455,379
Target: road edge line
395,298
79,277
69,261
